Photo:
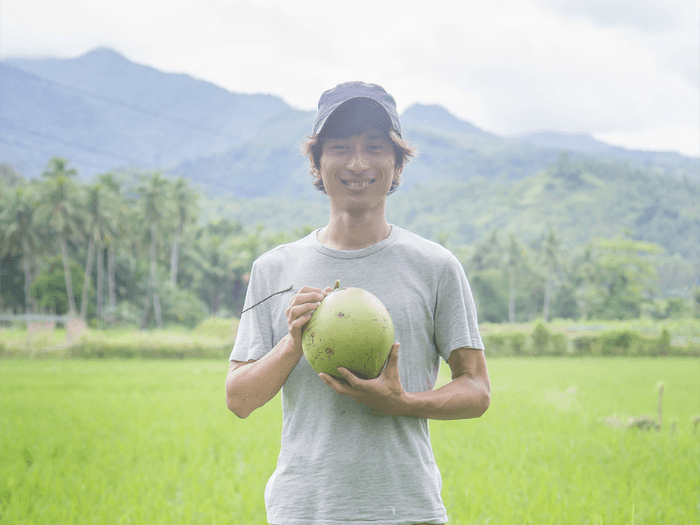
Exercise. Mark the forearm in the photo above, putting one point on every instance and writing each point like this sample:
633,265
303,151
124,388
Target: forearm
252,385
461,398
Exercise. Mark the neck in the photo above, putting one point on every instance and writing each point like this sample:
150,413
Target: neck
348,231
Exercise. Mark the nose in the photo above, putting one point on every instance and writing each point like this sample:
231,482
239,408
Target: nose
357,163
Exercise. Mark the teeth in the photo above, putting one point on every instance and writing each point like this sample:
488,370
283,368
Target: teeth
358,184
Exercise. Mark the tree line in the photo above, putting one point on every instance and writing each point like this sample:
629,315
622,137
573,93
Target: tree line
112,252
116,251
606,279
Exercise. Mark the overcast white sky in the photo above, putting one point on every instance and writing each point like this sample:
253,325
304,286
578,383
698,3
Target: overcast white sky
625,71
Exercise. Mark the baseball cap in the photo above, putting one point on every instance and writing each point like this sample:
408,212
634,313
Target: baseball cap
332,98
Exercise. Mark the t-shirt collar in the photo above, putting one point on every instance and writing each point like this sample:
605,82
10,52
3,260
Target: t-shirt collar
352,254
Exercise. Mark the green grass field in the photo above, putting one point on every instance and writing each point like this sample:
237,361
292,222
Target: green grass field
151,441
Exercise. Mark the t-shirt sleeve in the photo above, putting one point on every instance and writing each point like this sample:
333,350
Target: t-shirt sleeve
456,323
255,335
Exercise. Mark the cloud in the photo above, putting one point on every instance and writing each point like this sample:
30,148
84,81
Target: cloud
508,66
686,62
647,15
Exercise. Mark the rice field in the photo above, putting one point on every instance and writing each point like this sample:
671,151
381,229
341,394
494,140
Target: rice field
150,442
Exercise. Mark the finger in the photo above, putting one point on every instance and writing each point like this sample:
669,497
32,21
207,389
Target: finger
301,309
392,361
308,297
311,289
298,316
307,289
351,378
394,354
332,382
299,322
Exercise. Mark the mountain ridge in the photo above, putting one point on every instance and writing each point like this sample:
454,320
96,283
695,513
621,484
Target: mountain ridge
101,101
103,112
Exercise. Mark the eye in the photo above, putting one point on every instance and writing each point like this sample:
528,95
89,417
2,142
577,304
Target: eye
334,148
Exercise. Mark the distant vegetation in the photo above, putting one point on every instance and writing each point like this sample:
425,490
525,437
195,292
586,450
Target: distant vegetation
214,338
578,240
115,252
546,225
591,231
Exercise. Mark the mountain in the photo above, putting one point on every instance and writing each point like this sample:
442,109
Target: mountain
270,163
582,142
472,150
566,141
437,118
103,112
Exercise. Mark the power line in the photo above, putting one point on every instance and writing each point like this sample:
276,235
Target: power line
4,123
116,102
50,153
170,171
200,179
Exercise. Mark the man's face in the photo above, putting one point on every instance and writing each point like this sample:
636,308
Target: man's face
357,172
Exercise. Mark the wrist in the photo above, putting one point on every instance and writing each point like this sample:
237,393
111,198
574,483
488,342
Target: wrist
408,403
292,347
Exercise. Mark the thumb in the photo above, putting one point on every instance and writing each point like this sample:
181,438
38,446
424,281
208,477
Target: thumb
394,354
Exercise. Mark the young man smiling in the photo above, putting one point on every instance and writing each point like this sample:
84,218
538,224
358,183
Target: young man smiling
360,451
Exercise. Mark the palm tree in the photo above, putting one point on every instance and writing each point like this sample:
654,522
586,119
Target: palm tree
98,228
116,204
586,276
185,202
20,236
59,210
152,198
489,253
211,255
513,262
551,259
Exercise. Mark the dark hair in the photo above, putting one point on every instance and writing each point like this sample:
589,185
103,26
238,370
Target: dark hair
354,117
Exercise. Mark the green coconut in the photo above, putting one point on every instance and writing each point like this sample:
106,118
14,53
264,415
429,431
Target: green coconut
350,328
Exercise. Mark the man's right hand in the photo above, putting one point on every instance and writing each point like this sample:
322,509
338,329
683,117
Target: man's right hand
301,307
251,384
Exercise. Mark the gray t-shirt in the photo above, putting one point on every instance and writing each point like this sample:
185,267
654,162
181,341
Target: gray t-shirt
341,461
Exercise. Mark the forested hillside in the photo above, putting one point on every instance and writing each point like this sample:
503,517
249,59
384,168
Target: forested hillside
140,248
580,199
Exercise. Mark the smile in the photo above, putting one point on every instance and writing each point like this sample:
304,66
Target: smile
358,183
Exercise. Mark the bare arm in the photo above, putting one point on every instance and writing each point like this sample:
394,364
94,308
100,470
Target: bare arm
468,395
249,385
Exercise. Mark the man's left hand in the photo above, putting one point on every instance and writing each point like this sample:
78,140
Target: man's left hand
384,392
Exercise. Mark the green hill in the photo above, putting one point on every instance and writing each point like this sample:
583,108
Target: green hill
580,199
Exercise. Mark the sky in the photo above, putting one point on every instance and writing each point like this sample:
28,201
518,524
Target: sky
625,71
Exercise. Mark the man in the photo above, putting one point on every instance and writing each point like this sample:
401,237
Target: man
359,452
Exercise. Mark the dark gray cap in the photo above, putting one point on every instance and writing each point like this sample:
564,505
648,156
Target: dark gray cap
331,99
